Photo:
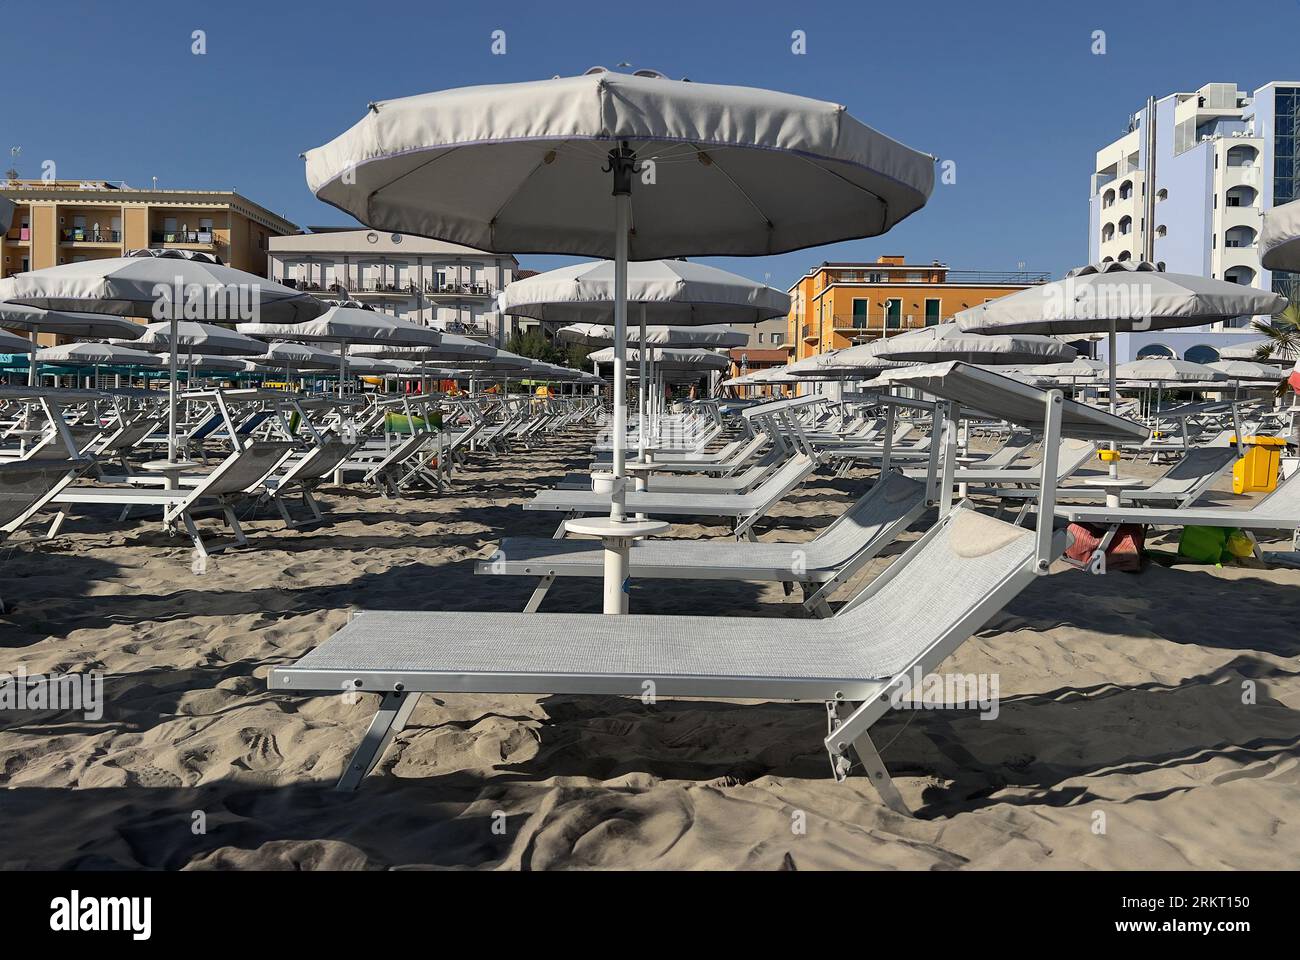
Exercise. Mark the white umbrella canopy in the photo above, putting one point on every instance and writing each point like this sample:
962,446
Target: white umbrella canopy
18,316
158,284
518,167
196,338
1279,239
451,347
298,356
1134,295
12,344
771,375
1247,370
1252,349
601,334
670,359
348,325
97,354
528,168
949,342
675,293
1167,370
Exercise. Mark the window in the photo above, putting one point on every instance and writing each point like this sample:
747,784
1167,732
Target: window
1154,350
1201,353
1108,233
1162,194
1126,189
860,307
1125,226
933,308
894,313
778,339
1161,231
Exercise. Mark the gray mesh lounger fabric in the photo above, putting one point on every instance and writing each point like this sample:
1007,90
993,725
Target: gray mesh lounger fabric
893,500
952,583
1280,510
681,504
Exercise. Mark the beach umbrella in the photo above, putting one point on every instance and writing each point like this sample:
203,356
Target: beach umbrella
698,360
947,341
1118,297
171,285
528,168
1247,370
1251,349
1279,238
1167,370
96,355
160,283
674,293
296,356
18,316
450,347
11,344
191,337
657,335
345,326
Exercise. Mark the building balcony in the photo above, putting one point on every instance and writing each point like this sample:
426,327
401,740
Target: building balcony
459,291
809,334
89,235
192,238
373,288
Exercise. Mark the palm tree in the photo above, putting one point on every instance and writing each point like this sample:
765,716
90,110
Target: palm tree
1283,333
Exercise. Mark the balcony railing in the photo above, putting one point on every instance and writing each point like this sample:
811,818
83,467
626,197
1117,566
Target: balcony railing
82,235
459,289
182,236
807,332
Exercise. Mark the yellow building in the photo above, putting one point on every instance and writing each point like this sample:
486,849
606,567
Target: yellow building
64,221
836,305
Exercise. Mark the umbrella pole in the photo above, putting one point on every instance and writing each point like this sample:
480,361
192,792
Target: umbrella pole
31,365
622,201
344,419
641,425
1114,449
171,388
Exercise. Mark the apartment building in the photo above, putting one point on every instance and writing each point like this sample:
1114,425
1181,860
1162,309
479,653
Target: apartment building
836,305
1221,157
432,282
65,221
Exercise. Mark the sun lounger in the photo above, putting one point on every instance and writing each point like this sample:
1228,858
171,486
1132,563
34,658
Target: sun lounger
221,488
830,558
946,587
302,476
745,509
25,486
1280,510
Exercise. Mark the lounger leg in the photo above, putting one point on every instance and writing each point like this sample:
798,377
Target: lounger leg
539,594
394,711
839,712
193,531
233,521
57,524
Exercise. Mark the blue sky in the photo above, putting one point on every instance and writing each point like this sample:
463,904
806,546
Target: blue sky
1009,89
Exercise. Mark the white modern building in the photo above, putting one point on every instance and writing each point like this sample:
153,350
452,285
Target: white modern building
439,284
1222,156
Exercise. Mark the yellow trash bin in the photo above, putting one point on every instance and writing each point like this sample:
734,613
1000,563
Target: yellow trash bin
1256,472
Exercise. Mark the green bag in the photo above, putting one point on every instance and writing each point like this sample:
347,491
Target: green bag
1203,544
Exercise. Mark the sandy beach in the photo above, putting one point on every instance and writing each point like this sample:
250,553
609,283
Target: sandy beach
1122,739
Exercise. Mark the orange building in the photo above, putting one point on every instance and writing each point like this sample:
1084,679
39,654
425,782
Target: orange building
836,305
62,221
